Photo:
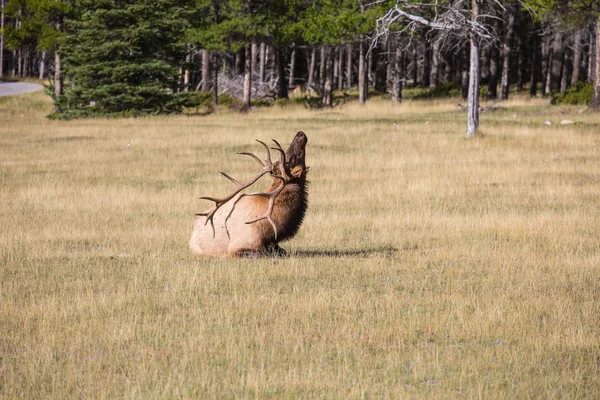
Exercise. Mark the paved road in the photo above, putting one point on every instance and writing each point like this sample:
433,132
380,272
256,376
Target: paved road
10,88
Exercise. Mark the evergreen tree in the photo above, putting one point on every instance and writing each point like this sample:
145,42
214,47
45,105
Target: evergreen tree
123,57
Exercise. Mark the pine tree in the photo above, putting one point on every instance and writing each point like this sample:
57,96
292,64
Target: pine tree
123,57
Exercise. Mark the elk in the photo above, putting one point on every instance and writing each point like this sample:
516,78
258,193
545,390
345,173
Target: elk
252,224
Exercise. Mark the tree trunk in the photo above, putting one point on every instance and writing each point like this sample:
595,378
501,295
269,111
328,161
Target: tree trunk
576,57
485,63
370,69
426,65
535,65
435,64
520,64
349,65
186,74
465,71
282,92
328,76
493,77
596,96
415,64
20,61
205,70
58,80
215,82
247,76
504,85
336,65
1,38
42,65
292,67
557,61
254,52
322,69
545,69
261,64
564,73
592,52
341,68
473,100
362,98
311,69
397,74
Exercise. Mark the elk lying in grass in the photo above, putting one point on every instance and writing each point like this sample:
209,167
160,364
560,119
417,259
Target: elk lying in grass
254,223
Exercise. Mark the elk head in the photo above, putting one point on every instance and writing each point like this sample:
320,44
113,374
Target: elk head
254,223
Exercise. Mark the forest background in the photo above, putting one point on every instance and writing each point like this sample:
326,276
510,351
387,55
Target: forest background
151,57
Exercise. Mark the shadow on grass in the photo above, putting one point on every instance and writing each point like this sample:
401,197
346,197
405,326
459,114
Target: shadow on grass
386,251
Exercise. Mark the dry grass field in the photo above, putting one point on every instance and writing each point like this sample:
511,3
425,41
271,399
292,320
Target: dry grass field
429,266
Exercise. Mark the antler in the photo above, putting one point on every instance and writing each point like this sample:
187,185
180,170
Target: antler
268,167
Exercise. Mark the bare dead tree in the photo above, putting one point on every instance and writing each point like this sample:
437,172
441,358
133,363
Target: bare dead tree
450,19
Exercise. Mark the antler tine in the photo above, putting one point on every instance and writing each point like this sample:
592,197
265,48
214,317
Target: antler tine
235,181
288,173
271,196
268,160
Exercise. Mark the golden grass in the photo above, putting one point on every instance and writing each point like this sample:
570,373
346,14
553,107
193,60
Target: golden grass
428,265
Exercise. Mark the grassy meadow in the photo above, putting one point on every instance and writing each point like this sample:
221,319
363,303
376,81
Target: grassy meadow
428,266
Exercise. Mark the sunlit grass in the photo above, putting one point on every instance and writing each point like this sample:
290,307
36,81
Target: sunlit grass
428,265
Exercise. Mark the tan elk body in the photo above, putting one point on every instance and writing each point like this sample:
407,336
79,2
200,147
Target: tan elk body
254,223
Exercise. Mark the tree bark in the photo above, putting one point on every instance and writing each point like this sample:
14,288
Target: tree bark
205,70
576,57
485,63
591,60
42,65
504,85
493,76
520,64
261,64
596,96
20,61
186,73
397,74
328,76
465,71
370,69
340,83
311,69
58,78
215,82
535,65
349,65
545,69
282,92
362,98
564,73
292,67
473,98
322,69
247,76
435,64
415,64
426,65
1,38
557,61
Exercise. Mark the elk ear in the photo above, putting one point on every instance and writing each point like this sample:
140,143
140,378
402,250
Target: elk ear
297,171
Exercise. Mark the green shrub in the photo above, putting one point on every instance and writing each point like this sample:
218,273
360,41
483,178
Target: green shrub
581,93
